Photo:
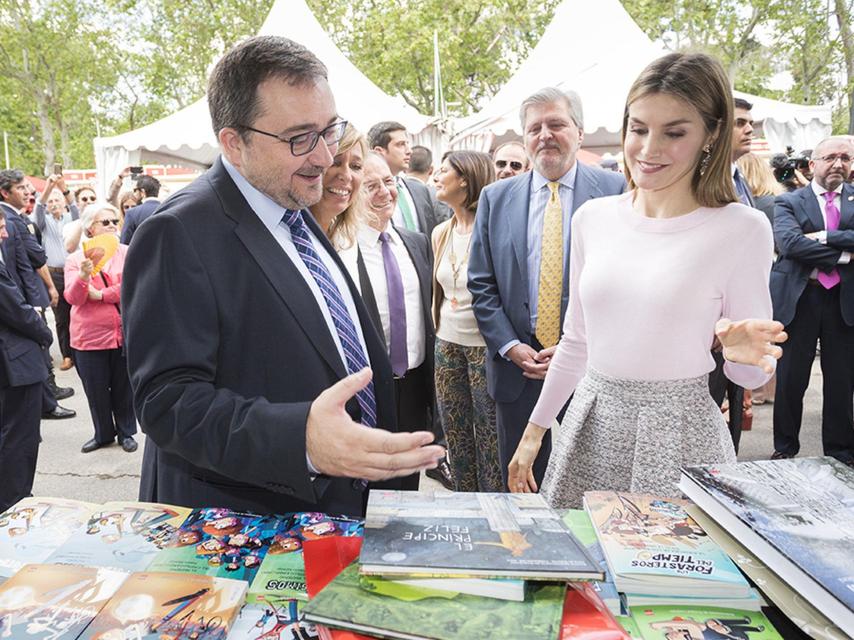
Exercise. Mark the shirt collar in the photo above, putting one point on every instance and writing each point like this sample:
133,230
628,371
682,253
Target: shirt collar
568,179
818,190
264,207
371,237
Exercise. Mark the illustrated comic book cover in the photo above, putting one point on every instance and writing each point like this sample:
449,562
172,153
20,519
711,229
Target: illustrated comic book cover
32,529
220,542
282,572
169,606
585,616
346,603
122,535
272,620
53,601
470,535
654,547
702,623
582,528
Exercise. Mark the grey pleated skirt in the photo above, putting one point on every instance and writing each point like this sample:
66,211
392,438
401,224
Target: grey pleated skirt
633,435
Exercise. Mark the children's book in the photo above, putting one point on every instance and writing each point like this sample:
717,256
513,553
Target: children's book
582,528
282,572
585,616
32,529
796,516
122,535
220,542
501,588
173,606
348,603
54,602
793,604
272,620
470,535
653,547
702,623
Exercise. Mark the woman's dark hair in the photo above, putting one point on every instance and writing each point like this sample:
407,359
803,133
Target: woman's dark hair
476,169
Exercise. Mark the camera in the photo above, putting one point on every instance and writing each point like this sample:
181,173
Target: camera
784,165
135,172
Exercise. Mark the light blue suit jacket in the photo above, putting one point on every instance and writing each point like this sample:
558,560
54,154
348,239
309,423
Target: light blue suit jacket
498,267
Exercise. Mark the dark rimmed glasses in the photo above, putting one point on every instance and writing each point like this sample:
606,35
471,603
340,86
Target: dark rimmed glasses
305,143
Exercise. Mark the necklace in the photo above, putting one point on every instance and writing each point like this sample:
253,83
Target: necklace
456,267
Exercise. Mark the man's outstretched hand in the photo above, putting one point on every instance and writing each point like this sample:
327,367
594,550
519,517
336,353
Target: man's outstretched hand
338,446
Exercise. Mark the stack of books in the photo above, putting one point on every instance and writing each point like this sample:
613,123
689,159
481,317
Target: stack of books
790,526
463,565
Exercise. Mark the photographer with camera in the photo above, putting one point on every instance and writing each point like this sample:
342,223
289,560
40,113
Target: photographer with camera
788,170
147,188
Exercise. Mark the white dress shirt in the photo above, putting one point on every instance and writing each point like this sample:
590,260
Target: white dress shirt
819,191
372,254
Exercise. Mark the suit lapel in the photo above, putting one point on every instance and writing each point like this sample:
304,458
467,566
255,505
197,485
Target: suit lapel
811,209
516,211
846,208
368,297
422,268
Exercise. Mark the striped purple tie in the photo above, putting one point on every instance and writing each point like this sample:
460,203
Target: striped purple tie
353,352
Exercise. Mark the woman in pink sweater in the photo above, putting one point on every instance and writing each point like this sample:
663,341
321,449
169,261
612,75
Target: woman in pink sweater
96,334
655,274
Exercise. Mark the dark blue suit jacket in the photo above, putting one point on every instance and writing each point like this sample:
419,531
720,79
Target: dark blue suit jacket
135,216
22,332
796,214
29,255
498,267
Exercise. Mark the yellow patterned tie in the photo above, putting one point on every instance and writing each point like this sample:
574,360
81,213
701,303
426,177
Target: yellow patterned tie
551,271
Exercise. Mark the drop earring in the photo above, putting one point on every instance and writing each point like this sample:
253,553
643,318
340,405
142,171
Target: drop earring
707,156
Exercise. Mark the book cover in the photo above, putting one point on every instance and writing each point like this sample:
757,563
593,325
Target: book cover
586,617
99,250
34,528
122,535
282,572
702,623
653,547
347,604
220,542
272,620
796,516
582,528
54,602
793,604
169,606
470,535
501,588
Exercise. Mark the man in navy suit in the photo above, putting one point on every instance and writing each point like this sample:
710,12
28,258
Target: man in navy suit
505,261
248,345
22,371
812,289
148,188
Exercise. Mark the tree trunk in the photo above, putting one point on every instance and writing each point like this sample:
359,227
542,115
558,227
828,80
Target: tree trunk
843,17
42,114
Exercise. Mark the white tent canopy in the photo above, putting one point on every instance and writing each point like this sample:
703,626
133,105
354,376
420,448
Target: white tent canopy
185,137
597,50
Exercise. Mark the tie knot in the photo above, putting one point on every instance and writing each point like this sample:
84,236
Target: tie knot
292,218
384,237
554,187
829,196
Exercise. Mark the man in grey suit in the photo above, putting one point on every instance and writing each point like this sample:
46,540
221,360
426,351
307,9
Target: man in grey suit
415,210
515,284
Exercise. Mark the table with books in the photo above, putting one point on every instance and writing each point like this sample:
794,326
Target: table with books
763,550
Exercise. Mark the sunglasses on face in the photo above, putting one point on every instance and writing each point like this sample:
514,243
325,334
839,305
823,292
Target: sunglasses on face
87,198
514,164
108,222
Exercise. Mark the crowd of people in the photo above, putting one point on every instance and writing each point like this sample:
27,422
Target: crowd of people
327,309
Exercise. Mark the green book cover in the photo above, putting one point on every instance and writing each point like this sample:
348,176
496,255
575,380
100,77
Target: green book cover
702,623
347,603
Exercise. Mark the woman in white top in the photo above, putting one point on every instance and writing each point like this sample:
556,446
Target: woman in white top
654,275
465,408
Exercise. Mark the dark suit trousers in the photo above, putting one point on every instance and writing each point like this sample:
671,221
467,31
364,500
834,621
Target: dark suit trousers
48,399
104,374
720,386
20,414
818,316
413,400
62,314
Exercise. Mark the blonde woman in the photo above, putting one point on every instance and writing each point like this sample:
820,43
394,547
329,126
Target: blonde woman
763,185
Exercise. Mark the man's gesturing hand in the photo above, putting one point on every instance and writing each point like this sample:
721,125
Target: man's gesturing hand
337,446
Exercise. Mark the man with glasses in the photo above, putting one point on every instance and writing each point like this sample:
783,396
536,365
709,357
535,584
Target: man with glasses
147,191
510,160
247,341
812,289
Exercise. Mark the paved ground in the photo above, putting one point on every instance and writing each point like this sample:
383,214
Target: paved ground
112,474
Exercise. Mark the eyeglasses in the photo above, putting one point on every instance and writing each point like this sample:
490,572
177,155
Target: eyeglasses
306,142
108,222
831,159
514,164
88,198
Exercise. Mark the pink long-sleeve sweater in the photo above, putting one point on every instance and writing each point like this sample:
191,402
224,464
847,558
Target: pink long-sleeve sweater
645,294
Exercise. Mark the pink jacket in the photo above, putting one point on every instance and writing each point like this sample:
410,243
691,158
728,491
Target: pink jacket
95,324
